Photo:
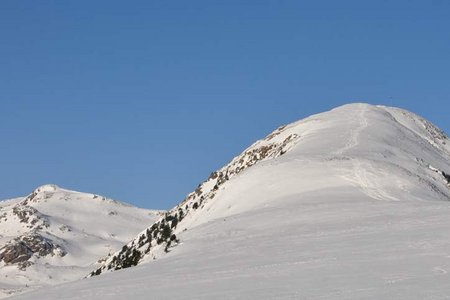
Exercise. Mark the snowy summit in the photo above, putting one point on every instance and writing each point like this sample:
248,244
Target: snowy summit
348,204
55,235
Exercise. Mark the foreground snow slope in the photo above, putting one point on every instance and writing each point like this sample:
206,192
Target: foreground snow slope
354,205
56,235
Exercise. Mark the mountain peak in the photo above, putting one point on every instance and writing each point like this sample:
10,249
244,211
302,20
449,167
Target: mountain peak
55,235
47,188
374,149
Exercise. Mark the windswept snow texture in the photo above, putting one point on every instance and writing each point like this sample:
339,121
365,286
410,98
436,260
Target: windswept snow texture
356,207
56,235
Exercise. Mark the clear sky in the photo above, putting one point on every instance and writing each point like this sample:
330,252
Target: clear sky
141,100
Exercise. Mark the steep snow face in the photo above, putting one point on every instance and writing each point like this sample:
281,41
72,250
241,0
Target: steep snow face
352,203
56,235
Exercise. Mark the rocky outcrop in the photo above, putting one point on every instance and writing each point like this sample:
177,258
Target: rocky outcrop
30,216
23,248
15,253
445,176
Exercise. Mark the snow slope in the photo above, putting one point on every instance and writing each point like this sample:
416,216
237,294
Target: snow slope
351,204
56,235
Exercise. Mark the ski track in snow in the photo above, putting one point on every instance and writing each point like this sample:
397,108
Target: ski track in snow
362,171
369,187
353,141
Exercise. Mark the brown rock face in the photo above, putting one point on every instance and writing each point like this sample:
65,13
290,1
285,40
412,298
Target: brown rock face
24,247
15,253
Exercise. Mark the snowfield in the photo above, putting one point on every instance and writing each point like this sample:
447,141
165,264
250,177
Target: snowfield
353,203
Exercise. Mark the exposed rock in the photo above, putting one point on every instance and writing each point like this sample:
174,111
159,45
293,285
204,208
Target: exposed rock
445,175
30,216
21,249
435,132
15,253
447,178
275,133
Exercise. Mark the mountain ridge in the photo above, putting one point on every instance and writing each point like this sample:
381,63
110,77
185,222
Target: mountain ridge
336,205
278,143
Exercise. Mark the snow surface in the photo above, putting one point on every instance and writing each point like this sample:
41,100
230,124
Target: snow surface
357,208
86,226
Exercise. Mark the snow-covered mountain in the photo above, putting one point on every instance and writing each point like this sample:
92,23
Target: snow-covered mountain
352,203
56,235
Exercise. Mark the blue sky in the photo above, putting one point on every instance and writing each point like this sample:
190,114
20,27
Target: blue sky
141,100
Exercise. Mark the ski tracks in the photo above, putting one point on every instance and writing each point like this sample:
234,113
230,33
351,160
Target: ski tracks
353,140
363,172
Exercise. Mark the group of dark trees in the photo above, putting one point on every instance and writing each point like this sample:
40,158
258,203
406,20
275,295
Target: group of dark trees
161,232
